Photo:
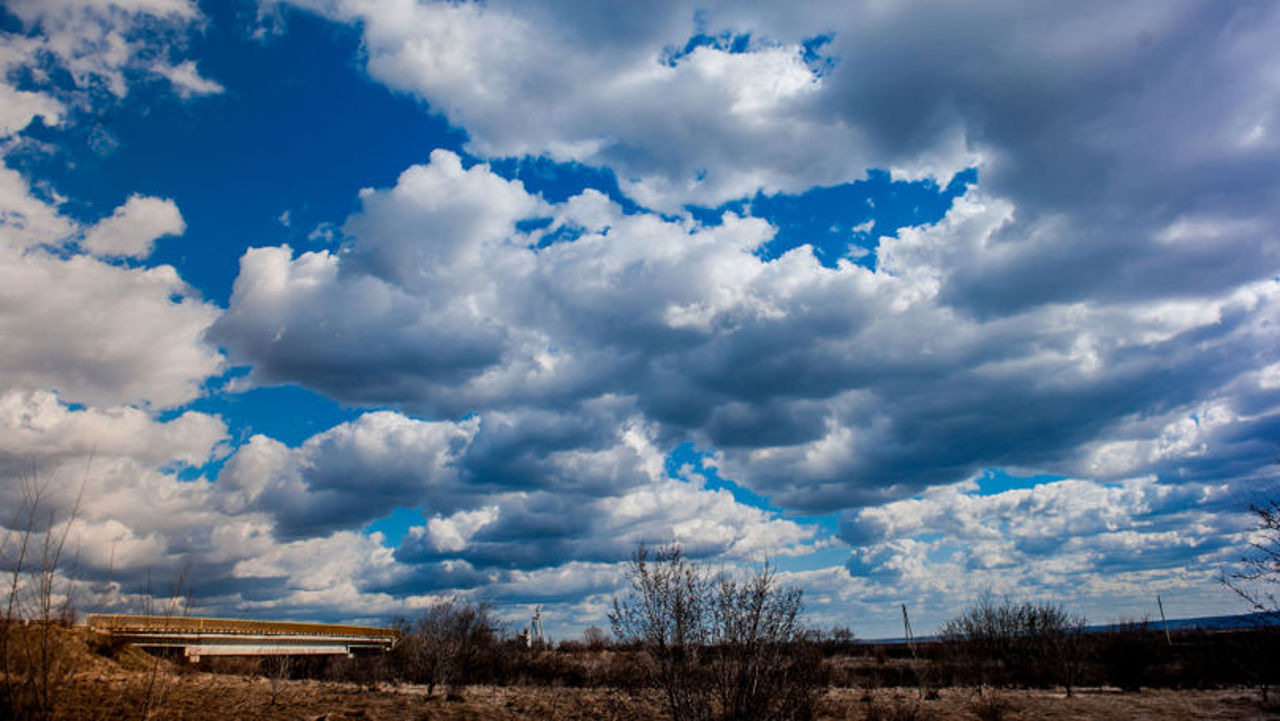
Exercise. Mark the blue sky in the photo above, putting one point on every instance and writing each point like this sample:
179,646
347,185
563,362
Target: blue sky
358,305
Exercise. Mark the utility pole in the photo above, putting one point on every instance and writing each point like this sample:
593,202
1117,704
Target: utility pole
1164,621
906,629
911,644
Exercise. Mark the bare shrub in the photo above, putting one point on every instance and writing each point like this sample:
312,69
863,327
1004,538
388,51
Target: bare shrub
277,669
716,646
366,671
895,708
764,665
595,639
1008,643
991,707
1129,652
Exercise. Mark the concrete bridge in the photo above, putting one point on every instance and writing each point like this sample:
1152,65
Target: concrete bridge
199,637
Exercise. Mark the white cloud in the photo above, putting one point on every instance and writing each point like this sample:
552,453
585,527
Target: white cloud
1102,305
814,383
19,107
672,131
95,40
102,334
186,79
316,564
131,231
96,43
1044,105
1102,548
38,424
350,474
452,534
25,220
98,333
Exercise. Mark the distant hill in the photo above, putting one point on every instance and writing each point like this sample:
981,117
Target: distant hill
1201,623
1204,623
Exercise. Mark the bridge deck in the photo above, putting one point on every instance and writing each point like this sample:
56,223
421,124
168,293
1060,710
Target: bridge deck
238,637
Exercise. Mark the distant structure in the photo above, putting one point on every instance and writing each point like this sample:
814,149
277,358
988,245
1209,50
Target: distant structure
534,634
199,637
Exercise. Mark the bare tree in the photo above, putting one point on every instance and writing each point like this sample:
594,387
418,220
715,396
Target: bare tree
277,669
154,693
716,646
38,598
1256,579
446,644
595,639
666,616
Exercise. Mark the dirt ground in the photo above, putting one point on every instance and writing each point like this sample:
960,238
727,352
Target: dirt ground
201,696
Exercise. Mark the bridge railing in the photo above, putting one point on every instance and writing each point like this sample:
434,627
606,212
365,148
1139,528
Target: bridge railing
130,624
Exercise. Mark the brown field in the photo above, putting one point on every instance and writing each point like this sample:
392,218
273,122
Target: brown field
199,696
106,683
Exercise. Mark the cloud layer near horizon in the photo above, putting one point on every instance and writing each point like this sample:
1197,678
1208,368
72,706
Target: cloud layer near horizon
1100,305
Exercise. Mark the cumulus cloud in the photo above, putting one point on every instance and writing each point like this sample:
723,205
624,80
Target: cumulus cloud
1099,305
541,529
242,531
589,504
823,387
670,124
1101,547
39,424
350,474
1047,323
94,332
25,220
131,231
707,103
18,107
454,533
111,457
97,333
138,524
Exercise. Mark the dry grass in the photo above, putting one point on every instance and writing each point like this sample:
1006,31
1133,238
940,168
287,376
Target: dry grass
200,696
1086,705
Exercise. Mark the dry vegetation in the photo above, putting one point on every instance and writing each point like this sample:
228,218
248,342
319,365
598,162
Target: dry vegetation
117,683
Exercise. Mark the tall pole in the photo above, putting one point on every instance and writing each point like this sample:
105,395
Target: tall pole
911,644
906,629
1164,621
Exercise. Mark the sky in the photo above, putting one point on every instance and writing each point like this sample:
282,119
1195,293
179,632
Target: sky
337,308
